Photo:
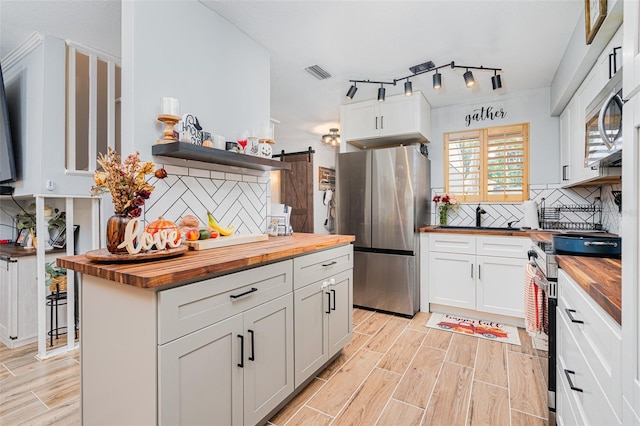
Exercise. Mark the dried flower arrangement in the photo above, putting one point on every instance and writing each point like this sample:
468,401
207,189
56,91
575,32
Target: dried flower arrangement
125,181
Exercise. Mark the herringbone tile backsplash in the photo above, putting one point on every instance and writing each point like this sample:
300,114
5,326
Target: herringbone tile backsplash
500,214
233,199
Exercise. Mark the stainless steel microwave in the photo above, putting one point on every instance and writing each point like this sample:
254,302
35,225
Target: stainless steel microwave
603,126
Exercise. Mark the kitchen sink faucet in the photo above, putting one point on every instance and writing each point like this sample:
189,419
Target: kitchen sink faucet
479,212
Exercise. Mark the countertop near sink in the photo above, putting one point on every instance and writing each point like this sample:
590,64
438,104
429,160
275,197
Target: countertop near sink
467,230
204,263
600,277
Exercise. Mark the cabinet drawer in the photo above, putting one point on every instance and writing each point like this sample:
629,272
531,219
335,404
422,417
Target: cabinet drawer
598,337
591,404
451,243
318,266
185,309
503,246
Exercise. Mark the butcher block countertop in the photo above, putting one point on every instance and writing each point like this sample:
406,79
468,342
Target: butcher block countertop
195,265
11,250
601,278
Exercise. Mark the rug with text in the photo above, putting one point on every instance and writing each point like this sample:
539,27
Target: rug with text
475,327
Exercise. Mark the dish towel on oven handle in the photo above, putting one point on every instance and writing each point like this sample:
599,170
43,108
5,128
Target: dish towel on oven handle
533,302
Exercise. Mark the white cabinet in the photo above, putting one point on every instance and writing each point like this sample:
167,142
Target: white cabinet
248,356
566,119
323,320
631,49
406,118
630,225
589,355
481,273
19,300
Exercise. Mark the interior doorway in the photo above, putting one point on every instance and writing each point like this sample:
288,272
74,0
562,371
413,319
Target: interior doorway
296,190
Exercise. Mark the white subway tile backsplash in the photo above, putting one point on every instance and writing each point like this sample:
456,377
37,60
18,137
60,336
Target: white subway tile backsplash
234,199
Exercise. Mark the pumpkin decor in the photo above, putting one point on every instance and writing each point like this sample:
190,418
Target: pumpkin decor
160,224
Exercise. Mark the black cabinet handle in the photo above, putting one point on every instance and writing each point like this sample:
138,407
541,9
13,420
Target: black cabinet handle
253,355
569,314
333,308
566,373
329,264
376,123
241,364
479,272
328,311
565,172
235,296
472,270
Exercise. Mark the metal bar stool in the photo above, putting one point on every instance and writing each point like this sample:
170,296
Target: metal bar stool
54,300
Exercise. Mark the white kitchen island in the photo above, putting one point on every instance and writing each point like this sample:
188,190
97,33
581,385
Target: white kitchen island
208,337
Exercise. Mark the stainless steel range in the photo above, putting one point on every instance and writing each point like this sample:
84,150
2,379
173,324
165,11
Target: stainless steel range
542,255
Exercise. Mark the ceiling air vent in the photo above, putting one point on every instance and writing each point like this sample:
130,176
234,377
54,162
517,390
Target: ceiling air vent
318,72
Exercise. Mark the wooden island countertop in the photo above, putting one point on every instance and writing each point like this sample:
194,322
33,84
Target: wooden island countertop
197,265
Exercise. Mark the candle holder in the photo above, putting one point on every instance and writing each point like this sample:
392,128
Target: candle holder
169,121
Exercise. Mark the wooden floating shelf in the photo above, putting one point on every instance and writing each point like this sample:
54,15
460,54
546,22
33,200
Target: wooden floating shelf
189,151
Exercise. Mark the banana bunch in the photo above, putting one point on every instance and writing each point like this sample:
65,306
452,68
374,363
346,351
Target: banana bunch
214,224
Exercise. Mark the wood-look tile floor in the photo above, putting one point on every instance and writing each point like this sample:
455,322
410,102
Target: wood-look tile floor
394,371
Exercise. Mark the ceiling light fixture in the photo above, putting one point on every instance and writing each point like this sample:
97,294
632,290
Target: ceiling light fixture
468,78
332,139
496,81
381,92
408,88
437,80
429,66
352,91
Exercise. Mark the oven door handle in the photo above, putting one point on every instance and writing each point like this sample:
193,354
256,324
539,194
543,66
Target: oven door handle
544,285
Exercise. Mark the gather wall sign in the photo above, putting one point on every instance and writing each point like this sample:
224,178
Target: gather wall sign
483,114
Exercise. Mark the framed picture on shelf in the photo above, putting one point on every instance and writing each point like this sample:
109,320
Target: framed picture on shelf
60,239
594,13
22,236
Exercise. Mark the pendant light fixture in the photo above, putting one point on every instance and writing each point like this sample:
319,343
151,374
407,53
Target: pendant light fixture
469,80
381,92
352,91
496,81
437,80
408,89
332,138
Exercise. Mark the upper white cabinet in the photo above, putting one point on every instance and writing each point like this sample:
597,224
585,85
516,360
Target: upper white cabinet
631,49
398,118
481,273
572,123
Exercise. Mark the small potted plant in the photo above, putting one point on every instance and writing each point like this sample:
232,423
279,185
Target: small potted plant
57,280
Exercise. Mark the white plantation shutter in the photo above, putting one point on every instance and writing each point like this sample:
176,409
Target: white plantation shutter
488,164
464,165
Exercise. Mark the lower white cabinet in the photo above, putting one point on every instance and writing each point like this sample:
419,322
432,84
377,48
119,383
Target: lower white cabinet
323,322
461,274
19,300
589,357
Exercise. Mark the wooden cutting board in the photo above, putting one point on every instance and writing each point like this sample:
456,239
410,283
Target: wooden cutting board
221,241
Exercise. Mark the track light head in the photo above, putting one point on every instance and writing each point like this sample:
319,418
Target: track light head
408,88
352,91
381,92
496,81
437,81
468,78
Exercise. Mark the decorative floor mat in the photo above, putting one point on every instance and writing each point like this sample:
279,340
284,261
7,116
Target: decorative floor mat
474,327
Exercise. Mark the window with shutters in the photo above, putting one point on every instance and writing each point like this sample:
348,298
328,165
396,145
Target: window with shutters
489,164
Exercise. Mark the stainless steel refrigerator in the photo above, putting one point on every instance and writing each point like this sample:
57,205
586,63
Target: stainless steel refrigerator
383,199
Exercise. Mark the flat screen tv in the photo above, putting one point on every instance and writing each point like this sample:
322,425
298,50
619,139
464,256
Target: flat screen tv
7,158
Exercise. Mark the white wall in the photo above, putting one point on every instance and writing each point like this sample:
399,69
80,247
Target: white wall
529,106
184,50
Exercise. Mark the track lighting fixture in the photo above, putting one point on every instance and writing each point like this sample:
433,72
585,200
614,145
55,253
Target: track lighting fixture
437,80
496,81
469,80
381,92
352,91
331,139
408,89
